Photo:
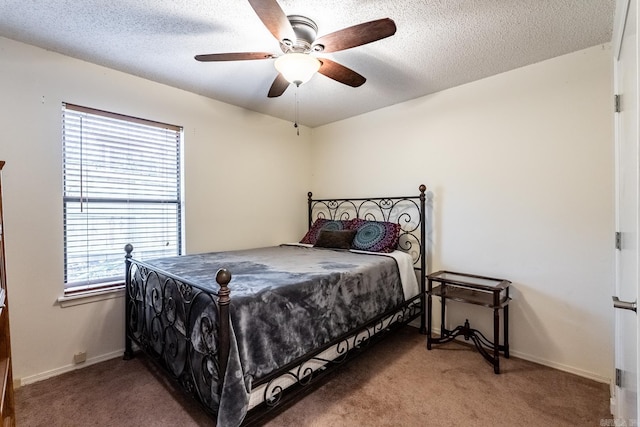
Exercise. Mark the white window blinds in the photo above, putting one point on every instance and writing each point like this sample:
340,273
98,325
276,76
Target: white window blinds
121,185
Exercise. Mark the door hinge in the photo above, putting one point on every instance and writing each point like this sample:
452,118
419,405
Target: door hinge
618,240
616,103
618,377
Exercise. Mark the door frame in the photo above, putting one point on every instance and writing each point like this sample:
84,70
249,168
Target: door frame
620,19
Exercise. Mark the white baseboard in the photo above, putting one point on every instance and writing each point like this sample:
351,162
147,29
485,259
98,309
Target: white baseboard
549,363
561,367
68,368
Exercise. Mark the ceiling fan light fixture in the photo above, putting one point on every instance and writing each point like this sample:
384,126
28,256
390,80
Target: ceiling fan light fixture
297,68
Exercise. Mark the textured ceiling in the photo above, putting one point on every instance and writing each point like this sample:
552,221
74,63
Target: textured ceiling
438,44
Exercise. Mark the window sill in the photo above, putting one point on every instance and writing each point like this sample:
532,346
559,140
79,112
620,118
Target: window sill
89,296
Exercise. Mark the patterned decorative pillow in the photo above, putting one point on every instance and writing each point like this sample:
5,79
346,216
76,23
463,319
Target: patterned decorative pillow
323,224
375,236
336,239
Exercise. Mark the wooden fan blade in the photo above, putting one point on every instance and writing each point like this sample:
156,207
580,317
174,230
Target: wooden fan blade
279,85
340,73
238,56
357,35
274,18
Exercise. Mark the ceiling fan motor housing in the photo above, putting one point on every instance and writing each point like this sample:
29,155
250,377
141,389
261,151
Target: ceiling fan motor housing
306,31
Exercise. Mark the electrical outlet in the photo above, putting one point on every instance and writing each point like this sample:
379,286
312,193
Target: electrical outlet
80,357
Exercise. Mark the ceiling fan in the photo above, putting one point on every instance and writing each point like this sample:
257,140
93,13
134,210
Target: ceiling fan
297,37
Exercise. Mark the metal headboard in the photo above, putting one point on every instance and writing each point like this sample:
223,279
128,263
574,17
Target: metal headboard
408,211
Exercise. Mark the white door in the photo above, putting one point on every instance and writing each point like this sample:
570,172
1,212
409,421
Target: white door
625,52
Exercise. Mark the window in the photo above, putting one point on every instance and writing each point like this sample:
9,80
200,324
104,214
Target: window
121,185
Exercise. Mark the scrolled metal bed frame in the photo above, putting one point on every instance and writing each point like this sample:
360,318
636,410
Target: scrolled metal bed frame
168,336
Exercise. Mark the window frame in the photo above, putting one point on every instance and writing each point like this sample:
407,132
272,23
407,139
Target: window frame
108,285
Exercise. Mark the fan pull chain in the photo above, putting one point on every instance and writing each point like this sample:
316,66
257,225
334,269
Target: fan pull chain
297,112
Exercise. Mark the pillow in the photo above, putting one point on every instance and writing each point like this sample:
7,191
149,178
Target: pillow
337,239
375,236
323,224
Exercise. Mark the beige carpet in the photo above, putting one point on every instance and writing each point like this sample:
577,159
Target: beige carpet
396,383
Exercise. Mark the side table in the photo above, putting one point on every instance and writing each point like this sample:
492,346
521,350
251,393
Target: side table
471,289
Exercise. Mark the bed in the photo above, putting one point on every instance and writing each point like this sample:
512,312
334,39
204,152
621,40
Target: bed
247,332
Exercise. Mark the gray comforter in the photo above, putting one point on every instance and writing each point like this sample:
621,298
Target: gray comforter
285,302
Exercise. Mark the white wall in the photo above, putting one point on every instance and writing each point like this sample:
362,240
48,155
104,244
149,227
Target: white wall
521,170
520,166
246,180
